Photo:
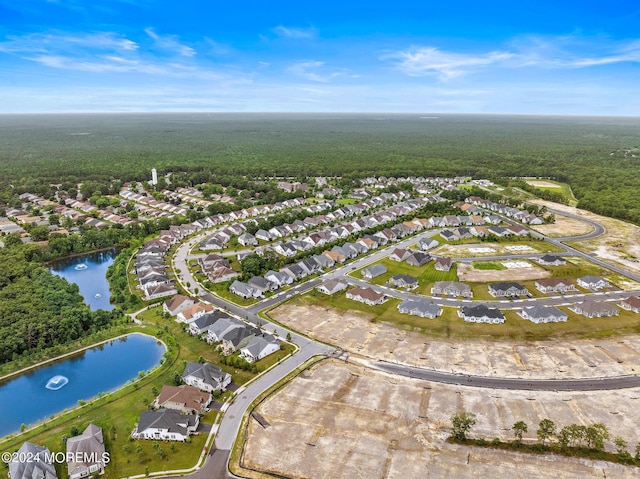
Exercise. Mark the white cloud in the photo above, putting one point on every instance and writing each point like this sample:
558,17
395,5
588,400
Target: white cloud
560,52
170,43
445,65
313,71
294,32
43,42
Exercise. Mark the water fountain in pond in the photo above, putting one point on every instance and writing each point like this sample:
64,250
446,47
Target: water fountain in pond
80,267
57,382
98,295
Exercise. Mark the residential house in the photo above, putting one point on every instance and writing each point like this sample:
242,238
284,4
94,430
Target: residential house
247,239
193,312
244,290
374,271
400,254
261,284
86,453
421,307
481,314
184,398
324,261
260,347
551,260
332,286
31,461
205,376
403,281
555,285
543,314
310,266
165,425
202,323
263,235
160,291
451,288
448,235
442,263
295,271
177,304
418,258
507,289
632,303
427,243
278,277
593,282
222,275
595,309
366,295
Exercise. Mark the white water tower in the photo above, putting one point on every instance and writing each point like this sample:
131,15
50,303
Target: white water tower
154,176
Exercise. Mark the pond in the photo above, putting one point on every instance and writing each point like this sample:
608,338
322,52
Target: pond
48,390
89,272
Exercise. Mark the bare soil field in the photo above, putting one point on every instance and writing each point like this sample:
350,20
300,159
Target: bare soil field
543,184
467,272
473,250
564,227
620,244
341,420
358,333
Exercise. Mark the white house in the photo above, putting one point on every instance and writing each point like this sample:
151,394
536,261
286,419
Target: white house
260,347
165,425
205,376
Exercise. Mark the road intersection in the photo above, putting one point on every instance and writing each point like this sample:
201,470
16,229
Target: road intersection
216,463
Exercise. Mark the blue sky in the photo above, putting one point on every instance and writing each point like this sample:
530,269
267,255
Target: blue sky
541,57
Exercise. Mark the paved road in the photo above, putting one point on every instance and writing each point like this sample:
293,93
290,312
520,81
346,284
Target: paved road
590,384
216,463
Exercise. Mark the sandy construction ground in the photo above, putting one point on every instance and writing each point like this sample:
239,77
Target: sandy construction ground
564,227
473,250
620,244
355,332
467,272
346,421
543,184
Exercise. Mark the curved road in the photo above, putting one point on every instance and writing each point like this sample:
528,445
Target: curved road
216,463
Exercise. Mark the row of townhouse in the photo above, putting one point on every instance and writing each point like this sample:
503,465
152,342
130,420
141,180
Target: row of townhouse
515,213
151,202
456,234
150,270
76,210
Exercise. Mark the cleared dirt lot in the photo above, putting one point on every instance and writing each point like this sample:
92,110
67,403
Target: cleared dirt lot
467,272
620,244
356,332
346,421
475,250
563,227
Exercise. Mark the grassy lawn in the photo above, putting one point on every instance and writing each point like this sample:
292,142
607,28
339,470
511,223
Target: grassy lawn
426,274
450,325
222,290
346,201
489,265
118,412
563,188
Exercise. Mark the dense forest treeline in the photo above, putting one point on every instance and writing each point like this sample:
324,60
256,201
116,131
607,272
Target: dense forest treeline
591,154
39,309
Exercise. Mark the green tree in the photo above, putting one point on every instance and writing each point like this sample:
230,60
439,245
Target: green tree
519,428
461,425
621,445
546,430
595,436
